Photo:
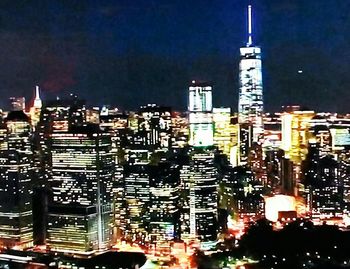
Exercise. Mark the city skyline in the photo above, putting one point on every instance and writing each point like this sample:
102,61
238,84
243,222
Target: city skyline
146,141
135,53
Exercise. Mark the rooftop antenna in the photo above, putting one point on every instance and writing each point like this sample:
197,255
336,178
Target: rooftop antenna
250,38
37,93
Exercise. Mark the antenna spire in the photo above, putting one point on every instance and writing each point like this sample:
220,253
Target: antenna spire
250,36
37,93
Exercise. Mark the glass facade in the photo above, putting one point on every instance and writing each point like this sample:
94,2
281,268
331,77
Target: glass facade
251,104
80,212
200,115
199,185
16,173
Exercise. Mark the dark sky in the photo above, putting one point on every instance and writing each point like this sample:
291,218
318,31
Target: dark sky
132,52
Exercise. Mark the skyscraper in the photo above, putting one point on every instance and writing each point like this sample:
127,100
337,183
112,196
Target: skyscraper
80,212
250,104
200,115
36,108
16,173
164,198
223,129
199,187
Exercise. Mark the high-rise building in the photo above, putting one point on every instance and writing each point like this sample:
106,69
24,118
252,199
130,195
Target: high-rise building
137,198
296,132
164,198
36,108
223,129
16,173
199,186
116,124
80,211
250,102
200,110
344,178
241,194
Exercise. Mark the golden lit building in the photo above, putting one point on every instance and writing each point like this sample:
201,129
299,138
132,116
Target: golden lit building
226,133
296,133
222,130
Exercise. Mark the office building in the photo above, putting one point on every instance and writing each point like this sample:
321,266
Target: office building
80,211
223,130
164,202
199,191
16,174
200,114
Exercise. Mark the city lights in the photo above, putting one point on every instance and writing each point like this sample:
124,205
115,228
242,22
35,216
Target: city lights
91,184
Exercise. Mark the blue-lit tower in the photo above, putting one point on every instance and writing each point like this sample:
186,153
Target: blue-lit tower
250,103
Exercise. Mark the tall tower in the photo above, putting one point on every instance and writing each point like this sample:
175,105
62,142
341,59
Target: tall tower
16,174
35,110
250,104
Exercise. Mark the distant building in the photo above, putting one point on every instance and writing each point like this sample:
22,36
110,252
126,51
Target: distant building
16,173
223,130
200,115
17,104
137,198
180,126
35,110
154,126
296,132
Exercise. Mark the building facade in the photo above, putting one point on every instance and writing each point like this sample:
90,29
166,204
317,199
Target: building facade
80,210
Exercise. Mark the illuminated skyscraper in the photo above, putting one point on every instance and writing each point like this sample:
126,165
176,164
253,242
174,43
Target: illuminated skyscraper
137,197
250,103
16,173
296,132
80,212
222,130
199,186
36,108
200,115
164,197
324,185
116,124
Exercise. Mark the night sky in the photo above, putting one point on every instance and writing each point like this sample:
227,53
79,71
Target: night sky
133,52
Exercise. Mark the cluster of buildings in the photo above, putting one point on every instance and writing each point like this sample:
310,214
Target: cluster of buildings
80,179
